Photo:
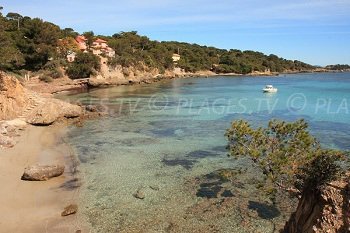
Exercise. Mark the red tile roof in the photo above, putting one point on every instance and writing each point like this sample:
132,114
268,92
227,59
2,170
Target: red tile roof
80,39
100,41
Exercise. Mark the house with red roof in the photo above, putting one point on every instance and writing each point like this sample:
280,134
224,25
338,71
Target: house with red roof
81,41
100,44
100,47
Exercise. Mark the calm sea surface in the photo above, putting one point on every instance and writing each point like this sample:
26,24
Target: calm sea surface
166,140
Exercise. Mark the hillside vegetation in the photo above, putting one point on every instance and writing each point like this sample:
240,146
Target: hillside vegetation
31,44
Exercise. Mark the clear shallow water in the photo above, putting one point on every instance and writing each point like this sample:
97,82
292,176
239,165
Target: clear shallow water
167,140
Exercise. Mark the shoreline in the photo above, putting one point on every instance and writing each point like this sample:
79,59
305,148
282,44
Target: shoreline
84,85
39,205
34,206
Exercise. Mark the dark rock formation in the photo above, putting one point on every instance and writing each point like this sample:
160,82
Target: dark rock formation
42,173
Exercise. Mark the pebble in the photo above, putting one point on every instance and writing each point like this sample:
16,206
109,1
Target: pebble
139,194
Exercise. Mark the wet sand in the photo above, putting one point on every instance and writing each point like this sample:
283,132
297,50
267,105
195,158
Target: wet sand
27,206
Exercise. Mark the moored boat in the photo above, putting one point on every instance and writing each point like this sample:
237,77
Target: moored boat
269,89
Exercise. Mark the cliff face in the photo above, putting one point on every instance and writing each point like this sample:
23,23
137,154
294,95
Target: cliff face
12,97
325,211
121,75
18,102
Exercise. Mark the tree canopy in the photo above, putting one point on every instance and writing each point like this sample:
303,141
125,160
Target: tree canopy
29,43
84,65
338,67
287,154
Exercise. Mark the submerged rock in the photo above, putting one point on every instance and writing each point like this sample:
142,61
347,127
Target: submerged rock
42,173
264,210
69,210
96,108
91,108
154,187
139,194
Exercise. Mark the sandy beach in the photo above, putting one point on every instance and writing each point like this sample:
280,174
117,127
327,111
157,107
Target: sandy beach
27,206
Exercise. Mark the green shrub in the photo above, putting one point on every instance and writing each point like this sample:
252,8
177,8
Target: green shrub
45,78
84,65
289,156
56,73
112,62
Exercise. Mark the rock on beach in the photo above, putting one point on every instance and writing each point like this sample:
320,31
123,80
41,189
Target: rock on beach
42,173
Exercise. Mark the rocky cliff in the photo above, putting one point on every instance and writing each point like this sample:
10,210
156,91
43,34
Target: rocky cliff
13,99
122,75
327,210
18,102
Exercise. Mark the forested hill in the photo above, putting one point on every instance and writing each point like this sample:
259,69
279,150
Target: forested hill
33,44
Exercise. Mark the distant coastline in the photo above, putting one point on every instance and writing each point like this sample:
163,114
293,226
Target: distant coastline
66,84
123,58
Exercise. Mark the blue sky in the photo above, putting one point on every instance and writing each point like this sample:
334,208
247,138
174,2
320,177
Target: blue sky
314,31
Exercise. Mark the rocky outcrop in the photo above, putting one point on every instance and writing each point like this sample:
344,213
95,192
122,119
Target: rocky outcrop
52,110
327,210
122,75
30,107
42,173
98,82
13,99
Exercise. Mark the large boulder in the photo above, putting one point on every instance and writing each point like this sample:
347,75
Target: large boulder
68,110
51,110
42,173
45,114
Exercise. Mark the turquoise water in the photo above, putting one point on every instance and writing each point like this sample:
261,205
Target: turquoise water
167,141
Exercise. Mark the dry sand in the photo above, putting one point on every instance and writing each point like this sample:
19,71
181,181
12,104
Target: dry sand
27,206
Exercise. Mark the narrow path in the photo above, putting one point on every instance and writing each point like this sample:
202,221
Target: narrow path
35,99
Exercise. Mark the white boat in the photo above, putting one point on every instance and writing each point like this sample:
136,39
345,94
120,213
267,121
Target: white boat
269,89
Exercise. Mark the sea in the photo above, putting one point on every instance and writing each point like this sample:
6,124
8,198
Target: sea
155,161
